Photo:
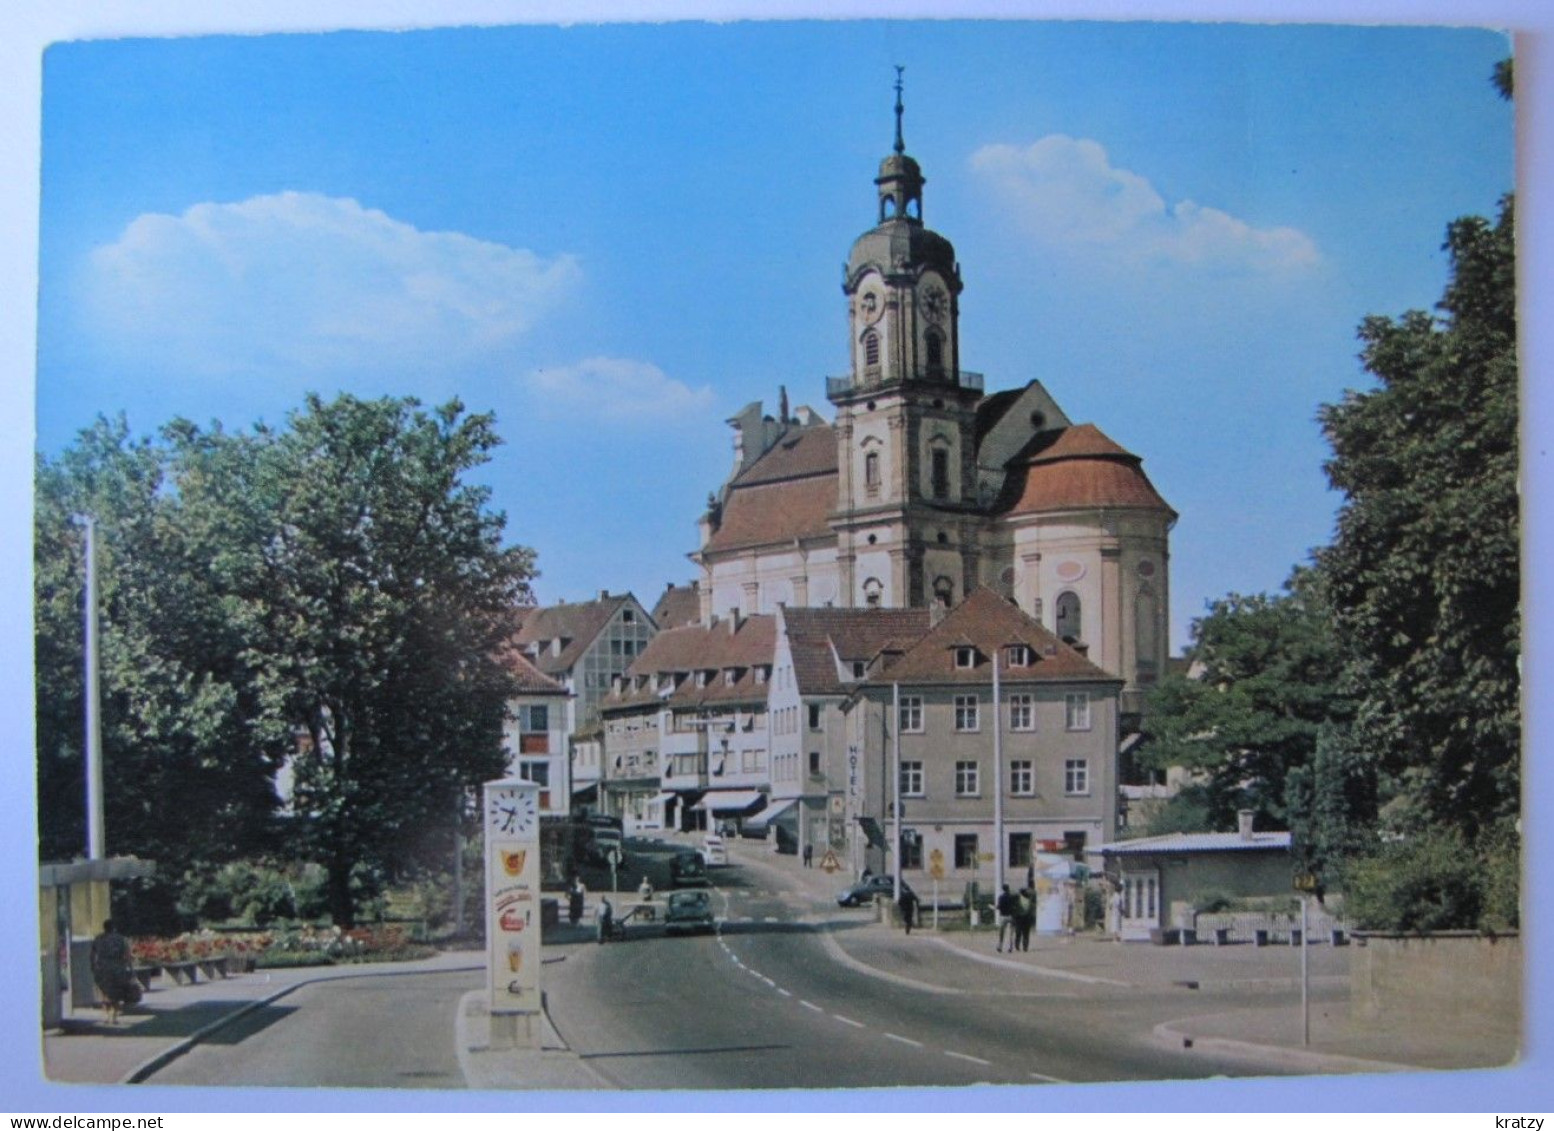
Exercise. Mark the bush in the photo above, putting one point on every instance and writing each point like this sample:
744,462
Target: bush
1436,881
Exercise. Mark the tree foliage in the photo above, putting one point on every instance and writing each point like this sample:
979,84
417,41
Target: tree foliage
1424,571
332,597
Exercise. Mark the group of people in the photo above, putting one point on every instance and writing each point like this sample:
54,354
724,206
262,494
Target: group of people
1016,918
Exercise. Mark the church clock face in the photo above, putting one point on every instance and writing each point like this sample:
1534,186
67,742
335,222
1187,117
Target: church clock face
512,812
871,304
936,305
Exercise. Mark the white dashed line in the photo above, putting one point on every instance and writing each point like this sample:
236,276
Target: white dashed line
772,919
1048,1079
849,1021
769,982
784,993
963,1056
905,1040
810,1005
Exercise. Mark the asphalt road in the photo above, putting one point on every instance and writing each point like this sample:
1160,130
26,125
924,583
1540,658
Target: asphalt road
389,1031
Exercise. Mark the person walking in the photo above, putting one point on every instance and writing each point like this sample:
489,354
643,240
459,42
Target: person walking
606,919
809,856
575,896
1024,918
907,904
1005,909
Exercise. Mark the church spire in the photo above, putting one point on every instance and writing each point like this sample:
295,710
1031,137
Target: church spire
900,145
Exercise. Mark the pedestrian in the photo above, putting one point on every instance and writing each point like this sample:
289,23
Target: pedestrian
908,906
809,856
606,919
575,898
1024,918
113,969
1005,909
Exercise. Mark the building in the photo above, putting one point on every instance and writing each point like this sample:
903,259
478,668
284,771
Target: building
924,488
686,737
535,736
583,646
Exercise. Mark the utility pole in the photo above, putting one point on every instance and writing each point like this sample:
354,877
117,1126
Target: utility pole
895,790
998,783
96,836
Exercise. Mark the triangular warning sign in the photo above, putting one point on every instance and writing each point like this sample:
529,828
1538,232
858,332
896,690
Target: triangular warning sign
829,862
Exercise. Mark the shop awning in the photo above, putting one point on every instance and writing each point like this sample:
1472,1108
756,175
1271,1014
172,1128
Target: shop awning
729,801
773,812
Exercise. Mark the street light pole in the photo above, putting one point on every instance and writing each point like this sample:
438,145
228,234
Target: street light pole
895,809
96,836
998,783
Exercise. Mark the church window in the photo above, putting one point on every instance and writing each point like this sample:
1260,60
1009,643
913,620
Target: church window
872,592
871,471
871,348
935,346
943,590
941,473
1068,622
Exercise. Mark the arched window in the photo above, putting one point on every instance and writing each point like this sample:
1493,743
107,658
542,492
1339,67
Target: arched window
939,472
1146,633
873,592
871,348
871,471
1068,625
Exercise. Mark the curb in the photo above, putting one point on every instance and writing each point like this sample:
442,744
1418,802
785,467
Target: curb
155,1063
1282,1056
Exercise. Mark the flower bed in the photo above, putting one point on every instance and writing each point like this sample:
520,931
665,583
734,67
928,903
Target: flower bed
218,955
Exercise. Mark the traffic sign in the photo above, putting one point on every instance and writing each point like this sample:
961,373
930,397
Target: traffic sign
829,862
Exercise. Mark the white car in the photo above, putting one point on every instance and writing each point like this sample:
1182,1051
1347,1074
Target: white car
713,853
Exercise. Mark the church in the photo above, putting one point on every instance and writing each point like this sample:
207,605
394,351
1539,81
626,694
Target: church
924,487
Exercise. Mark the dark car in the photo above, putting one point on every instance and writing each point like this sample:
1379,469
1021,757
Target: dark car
686,870
865,891
688,911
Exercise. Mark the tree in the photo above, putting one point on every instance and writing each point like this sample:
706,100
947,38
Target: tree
1424,572
374,597
1249,719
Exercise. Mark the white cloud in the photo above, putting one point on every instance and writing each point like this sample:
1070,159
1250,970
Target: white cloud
617,390
313,284
1067,193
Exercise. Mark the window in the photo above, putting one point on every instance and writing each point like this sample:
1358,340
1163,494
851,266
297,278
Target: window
911,714
814,764
1022,712
1078,710
872,590
859,668
1068,625
537,772
966,713
539,718
628,616
871,471
911,779
941,473
1074,844
966,779
935,346
965,850
1022,777
911,853
814,716
871,348
1076,776
1019,850
965,657
1019,656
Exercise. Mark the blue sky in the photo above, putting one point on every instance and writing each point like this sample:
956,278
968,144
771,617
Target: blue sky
614,237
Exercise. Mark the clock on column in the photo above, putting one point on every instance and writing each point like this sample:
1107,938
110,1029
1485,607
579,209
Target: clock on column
512,812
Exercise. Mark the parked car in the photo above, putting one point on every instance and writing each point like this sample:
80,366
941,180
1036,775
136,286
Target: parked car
687,870
688,911
865,891
713,852
602,843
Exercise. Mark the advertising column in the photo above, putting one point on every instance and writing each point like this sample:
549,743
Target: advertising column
512,824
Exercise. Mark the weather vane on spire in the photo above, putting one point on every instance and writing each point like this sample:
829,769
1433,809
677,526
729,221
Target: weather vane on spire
900,145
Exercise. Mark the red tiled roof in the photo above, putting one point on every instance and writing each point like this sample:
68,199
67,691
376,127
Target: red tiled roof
678,605
989,623
776,512
798,453
854,634
531,681
575,623
697,648
1077,467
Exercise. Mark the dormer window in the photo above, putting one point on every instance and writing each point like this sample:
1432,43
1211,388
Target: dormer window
965,657
760,675
730,676
859,668
1020,656
701,679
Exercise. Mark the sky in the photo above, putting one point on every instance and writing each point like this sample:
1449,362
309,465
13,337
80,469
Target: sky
616,236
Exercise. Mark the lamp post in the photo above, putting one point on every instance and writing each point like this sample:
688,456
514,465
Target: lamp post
96,835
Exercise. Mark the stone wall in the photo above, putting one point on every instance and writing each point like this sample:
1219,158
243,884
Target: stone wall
1474,979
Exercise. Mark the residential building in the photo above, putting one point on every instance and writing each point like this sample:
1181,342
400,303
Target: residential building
535,736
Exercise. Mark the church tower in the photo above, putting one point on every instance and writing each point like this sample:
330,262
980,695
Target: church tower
906,515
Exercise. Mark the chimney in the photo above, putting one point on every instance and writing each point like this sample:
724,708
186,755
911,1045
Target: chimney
1244,822
733,620
604,594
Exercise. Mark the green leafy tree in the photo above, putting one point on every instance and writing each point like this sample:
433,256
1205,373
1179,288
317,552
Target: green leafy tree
1424,572
1248,720
370,587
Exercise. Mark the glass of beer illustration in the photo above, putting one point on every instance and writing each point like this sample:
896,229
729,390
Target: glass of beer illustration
514,956
512,862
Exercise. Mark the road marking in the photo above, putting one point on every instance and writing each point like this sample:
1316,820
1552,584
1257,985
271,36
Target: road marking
905,1040
772,919
810,1005
1047,1079
769,982
963,1056
849,1021
784,993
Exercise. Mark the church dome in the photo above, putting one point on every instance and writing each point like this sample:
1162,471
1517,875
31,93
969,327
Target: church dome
1078,468
900,245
